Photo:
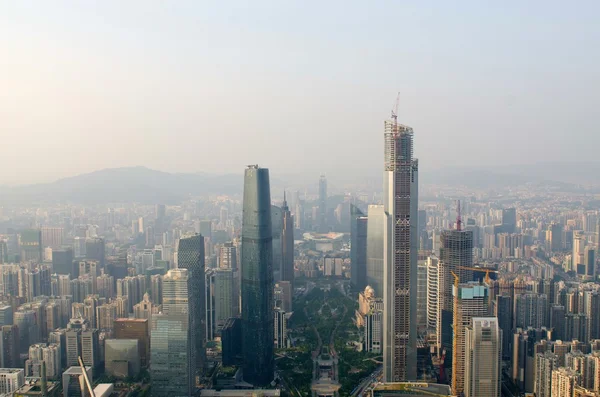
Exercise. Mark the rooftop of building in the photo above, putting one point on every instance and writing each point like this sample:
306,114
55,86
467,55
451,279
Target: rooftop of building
11,370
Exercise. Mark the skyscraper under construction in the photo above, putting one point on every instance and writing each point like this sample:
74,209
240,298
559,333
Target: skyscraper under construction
400,253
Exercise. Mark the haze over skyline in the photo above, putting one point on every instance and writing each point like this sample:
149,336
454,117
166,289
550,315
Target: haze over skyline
190,86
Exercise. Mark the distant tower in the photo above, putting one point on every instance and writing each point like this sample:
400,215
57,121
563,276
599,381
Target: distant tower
483,362
400,253
322,221
257,278
287,244
190,256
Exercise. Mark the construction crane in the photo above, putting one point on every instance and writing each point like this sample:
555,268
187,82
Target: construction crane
395,110
85,377
480,269
458,217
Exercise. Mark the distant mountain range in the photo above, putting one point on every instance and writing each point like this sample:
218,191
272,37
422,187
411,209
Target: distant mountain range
143,185
130,184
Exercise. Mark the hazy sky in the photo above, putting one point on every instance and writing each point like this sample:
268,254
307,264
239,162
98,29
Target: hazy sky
293,85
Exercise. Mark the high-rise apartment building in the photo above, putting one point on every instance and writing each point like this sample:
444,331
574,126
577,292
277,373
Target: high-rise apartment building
173,368
400,248
358,248
531,310
190,256
257,278
564,381
483,358
52,237
471,302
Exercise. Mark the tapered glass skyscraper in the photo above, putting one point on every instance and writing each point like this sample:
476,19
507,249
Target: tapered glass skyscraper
400,254
190,256
257,278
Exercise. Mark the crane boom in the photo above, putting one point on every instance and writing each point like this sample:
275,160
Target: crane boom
85,377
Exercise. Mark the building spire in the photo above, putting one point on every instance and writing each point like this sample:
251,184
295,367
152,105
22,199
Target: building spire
284,200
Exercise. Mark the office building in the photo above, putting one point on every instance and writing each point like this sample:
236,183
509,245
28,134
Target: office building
483,364
225,305
375,251
276,230
138,329
358,248
30,242
231,341
190,256
121,357
456,255
62,261
400,254
172,338
257,278
472,301
287,244
95,251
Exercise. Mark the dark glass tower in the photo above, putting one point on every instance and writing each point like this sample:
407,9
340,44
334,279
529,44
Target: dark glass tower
190,256
257,278
358,248
287,244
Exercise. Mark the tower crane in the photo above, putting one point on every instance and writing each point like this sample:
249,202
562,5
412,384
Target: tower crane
480,269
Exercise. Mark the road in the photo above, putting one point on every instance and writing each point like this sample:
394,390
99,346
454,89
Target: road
366,383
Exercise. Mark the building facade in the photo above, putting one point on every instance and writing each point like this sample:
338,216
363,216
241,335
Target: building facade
400,254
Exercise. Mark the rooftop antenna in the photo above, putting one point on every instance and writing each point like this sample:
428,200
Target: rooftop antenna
458,217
